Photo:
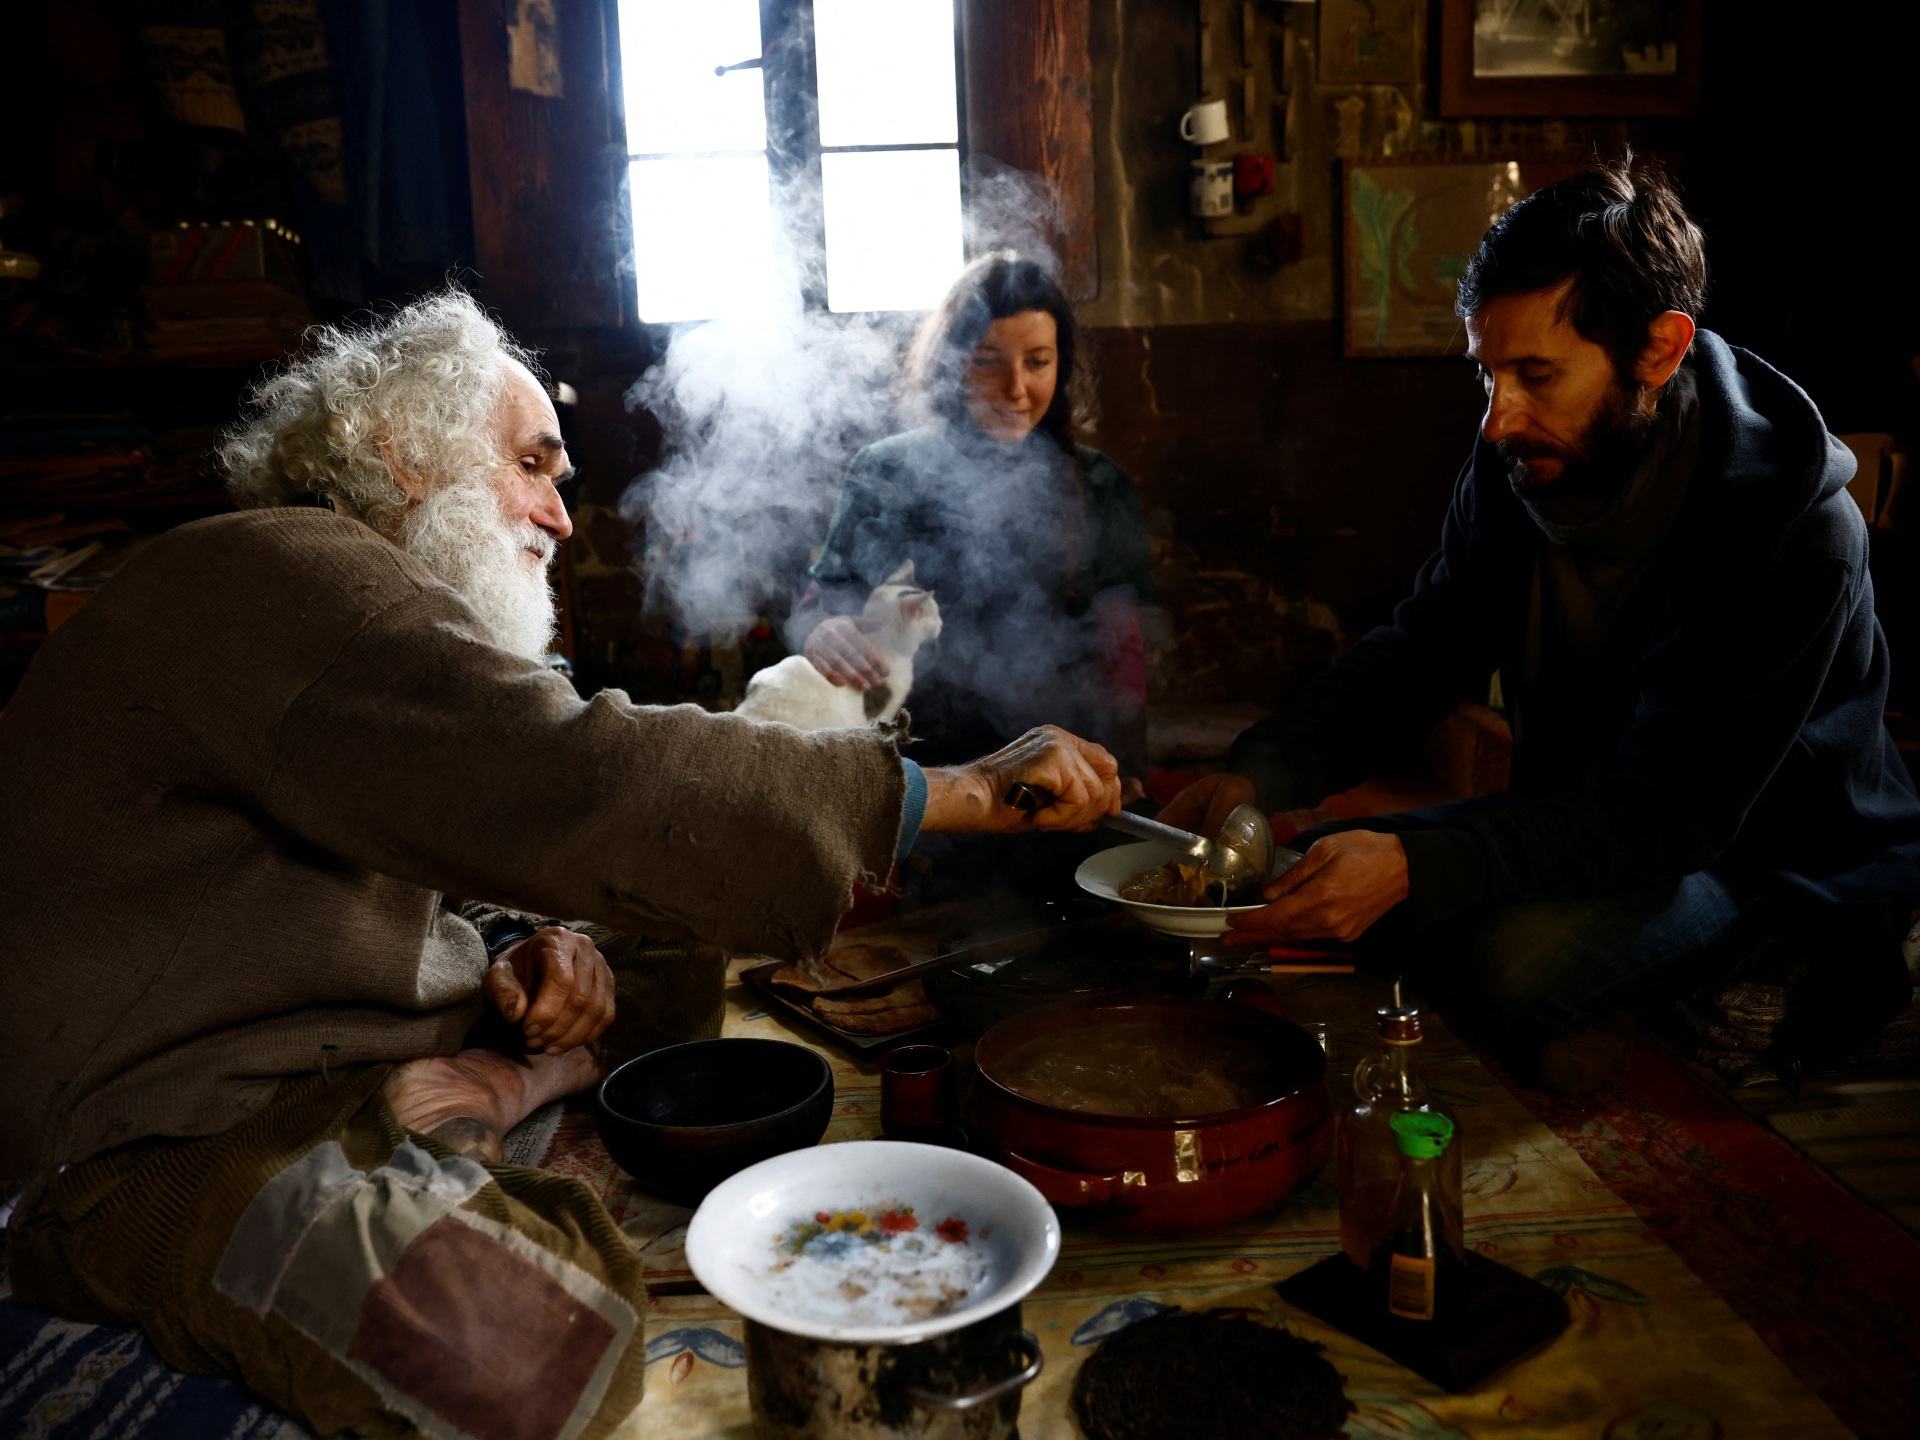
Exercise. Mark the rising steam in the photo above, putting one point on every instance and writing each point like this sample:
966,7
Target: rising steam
762,412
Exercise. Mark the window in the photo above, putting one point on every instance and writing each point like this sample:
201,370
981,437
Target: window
822,166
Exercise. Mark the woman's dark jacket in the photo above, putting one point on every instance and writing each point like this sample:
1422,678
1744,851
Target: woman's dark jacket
1038,559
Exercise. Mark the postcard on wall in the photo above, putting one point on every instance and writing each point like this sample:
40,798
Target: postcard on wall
1409,228
1369,42
533,49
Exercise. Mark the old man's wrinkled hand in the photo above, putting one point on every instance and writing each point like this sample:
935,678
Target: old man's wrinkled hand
557,986
1081,778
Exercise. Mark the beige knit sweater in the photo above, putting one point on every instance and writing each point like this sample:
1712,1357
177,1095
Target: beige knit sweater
240,783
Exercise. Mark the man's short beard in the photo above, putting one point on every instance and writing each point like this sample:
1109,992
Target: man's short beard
1608,451
461,532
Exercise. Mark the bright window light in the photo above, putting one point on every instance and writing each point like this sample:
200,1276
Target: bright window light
717,231
702,237
675,103
886,72
702,220
893,228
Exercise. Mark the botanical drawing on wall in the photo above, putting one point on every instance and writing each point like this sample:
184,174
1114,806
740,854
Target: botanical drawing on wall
1409,230
1523,38
1367,42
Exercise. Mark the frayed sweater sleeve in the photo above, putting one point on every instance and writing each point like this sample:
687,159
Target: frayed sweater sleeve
424,753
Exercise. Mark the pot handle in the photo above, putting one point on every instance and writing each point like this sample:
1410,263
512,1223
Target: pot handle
1029,1346
1061,1187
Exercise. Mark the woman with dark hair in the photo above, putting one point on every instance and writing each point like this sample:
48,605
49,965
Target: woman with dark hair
1033,545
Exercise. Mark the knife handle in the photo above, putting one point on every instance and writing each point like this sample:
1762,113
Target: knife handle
1027,798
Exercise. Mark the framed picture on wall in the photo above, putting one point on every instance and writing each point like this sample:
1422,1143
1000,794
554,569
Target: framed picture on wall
1408,227
1570,57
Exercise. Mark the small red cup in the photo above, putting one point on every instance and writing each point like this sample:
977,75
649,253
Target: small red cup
917,1087
1252,175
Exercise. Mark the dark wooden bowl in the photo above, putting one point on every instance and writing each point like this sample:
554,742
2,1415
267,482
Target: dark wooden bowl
682,1119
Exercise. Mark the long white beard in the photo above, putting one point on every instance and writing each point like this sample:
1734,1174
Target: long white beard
462,534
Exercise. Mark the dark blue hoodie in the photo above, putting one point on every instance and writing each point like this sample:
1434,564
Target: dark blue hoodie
1732,722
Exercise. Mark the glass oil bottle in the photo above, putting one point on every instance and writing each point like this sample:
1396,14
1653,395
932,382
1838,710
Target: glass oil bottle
1368,1156
1419,1268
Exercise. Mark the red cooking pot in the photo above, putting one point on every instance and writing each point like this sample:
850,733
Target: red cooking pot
1157,1172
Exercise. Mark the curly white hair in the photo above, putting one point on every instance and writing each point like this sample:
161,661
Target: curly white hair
418,385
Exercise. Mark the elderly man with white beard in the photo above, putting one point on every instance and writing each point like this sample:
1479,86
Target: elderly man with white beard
234,994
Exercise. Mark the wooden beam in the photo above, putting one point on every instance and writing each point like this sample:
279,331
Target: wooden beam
548,228
1030,105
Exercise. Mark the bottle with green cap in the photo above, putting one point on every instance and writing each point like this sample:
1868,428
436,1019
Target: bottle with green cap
1368,1165
1419,1269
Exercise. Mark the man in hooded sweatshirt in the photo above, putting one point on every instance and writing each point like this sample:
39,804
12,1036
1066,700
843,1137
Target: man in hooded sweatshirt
1653,547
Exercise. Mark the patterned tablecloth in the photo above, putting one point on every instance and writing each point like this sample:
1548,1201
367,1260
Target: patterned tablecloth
1652,1353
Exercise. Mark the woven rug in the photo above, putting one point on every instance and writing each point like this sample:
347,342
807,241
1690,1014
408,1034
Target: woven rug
1829,1283
1731,1233
64,1381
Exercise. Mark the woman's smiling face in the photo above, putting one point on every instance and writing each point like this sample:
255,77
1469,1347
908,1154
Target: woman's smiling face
1013,374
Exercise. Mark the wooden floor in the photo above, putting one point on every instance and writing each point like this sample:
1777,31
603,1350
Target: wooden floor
1865,1132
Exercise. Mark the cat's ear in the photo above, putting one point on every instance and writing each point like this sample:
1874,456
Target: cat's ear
902,576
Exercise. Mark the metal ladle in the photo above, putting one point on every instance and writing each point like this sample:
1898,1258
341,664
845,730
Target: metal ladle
1243,854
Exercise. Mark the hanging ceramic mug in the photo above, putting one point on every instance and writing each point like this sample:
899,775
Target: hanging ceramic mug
1210,188
1205,123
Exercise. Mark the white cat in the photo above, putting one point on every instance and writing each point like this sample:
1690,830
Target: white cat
899,618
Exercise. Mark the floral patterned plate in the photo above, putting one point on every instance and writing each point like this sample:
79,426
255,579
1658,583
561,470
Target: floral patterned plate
872,1241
